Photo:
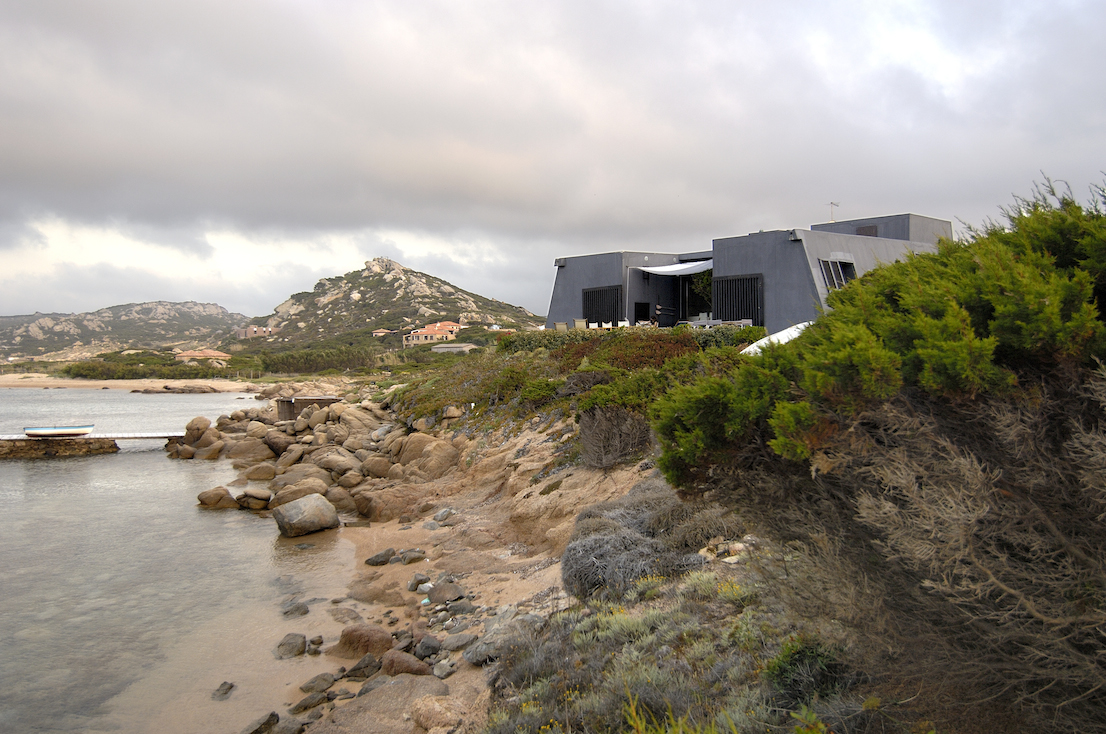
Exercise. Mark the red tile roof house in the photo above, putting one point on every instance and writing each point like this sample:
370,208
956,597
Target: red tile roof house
428,335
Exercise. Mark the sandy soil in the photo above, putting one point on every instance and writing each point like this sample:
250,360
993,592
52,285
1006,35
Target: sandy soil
41,380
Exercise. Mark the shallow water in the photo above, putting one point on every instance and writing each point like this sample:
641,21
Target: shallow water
121,602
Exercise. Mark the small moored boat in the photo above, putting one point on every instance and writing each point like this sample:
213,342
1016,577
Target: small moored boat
57,431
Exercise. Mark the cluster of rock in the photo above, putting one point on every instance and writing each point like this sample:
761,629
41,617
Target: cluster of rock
344,453
392,661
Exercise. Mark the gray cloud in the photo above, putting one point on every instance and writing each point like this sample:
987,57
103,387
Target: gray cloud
542,130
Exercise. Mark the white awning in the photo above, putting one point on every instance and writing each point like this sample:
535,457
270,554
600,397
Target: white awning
680,268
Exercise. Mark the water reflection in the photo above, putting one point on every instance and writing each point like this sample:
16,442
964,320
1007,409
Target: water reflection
110,571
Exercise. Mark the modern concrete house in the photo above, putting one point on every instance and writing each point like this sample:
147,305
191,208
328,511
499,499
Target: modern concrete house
775,279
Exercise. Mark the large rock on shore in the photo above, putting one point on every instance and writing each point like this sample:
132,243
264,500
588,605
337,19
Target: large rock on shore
195,429
359,640
336,459
308,514
383,710
298,490
297,473
430,455
218,498
253,450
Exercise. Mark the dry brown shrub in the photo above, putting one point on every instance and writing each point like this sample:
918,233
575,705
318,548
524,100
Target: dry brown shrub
610,435
976,530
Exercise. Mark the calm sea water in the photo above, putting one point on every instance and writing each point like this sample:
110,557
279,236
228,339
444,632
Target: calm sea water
120,599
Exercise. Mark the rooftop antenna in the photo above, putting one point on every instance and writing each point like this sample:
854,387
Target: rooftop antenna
832,204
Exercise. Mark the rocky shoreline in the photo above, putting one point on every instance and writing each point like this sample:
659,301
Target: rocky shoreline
460,533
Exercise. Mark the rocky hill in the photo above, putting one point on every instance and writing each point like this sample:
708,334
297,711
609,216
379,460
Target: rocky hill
133,325
386,295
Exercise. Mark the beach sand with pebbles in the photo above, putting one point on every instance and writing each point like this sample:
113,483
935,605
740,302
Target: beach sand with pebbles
42,380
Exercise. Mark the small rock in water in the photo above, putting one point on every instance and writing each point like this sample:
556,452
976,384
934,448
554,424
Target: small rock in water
314,650
316,640
413,556
318,684
381,558
441,515
365,667
293,645
264,725
223,691
288,726
296,609
308,702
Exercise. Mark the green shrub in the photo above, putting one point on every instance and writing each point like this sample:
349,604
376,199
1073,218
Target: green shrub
539,392
727,335
804,668
527,341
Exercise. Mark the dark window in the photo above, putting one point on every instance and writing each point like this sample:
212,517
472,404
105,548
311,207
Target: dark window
837,273
603,304
868,230
739,297
641,312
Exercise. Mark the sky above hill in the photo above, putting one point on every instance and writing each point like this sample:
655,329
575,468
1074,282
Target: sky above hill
237,152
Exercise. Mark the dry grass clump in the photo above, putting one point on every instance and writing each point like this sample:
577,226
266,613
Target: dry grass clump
648,532
610,435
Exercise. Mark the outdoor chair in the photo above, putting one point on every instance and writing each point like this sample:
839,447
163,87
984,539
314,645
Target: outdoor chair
607,325
560,325
593,324
623,323
579,324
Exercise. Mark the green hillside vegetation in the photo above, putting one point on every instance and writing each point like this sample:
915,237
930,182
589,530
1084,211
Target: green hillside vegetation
925,465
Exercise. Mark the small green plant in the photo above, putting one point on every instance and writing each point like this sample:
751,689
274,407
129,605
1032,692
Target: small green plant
809,723
803,668
701,584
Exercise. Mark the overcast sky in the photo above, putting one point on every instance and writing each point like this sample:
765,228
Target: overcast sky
236,152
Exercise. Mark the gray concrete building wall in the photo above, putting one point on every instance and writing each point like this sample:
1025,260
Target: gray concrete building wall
910,227
790,294
576,274
609,269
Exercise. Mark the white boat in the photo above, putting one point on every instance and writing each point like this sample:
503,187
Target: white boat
57,431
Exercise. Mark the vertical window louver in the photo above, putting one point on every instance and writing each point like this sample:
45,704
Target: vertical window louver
739,297
603,304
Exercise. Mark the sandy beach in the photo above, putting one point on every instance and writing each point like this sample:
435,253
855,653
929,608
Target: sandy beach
41,381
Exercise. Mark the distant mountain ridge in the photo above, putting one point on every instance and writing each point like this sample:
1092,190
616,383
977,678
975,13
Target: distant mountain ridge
150,325
386,295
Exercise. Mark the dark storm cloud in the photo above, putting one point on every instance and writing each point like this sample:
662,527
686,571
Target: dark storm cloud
538,129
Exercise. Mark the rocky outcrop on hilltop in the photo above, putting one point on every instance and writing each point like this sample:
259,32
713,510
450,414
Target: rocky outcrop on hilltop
386,295
156,324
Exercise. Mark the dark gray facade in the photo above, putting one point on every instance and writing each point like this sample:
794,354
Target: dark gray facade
777,279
